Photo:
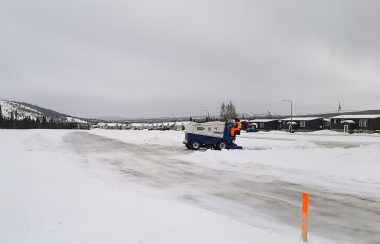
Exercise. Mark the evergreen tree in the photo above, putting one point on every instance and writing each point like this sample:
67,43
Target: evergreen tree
29,123
1,118
38,123
44,121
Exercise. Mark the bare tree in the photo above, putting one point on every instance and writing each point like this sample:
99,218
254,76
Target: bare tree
223,112
228,111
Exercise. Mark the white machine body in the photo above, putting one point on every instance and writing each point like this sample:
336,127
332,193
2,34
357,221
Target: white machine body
212,129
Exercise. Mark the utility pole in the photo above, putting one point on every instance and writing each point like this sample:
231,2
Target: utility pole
269,114
339,108
291,113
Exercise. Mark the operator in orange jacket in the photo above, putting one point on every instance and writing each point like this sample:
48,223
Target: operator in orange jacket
235,128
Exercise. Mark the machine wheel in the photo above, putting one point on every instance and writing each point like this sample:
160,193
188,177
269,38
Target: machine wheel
195,145
222,146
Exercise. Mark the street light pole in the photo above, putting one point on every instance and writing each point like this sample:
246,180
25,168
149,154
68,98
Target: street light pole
291,113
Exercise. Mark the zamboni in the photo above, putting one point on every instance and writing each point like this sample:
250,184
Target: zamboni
214,135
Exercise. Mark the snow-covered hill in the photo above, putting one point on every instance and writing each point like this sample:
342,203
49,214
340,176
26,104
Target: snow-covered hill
20,110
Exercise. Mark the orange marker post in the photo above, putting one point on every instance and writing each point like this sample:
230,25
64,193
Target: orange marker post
305,213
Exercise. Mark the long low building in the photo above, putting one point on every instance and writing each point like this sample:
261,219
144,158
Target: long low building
304,123
361,123
264,124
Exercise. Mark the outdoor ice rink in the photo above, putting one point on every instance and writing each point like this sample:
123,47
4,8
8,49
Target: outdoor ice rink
146,187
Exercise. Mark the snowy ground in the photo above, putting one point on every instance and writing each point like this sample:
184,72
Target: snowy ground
107,186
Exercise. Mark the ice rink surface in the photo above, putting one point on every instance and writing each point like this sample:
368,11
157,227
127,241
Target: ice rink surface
259,187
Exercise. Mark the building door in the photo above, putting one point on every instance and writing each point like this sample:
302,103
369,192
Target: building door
345,128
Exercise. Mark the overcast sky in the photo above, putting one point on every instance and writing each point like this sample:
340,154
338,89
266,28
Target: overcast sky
158,58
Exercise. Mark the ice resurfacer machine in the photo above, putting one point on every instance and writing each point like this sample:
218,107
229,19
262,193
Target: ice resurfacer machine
215,135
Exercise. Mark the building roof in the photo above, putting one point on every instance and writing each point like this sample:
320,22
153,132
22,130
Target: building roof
349,121
357,116
303,118
262,120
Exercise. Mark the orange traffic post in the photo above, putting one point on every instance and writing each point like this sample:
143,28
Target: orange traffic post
305,212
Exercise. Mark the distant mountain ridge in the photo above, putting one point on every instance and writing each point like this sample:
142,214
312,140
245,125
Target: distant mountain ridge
21,110
25,110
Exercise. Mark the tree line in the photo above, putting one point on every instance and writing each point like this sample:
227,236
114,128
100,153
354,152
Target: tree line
227,112
39,123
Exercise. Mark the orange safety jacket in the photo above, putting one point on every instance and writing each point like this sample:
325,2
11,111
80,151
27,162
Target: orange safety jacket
238,125
236,128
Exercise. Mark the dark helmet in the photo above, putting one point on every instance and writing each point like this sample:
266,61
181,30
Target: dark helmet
237,119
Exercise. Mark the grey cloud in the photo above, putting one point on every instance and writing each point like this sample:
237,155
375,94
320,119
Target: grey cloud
155,58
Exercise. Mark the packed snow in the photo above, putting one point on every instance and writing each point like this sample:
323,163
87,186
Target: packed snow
344,160
140,186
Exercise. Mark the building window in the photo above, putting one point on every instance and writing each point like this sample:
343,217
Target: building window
335,120
363,122
261,125
302,124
